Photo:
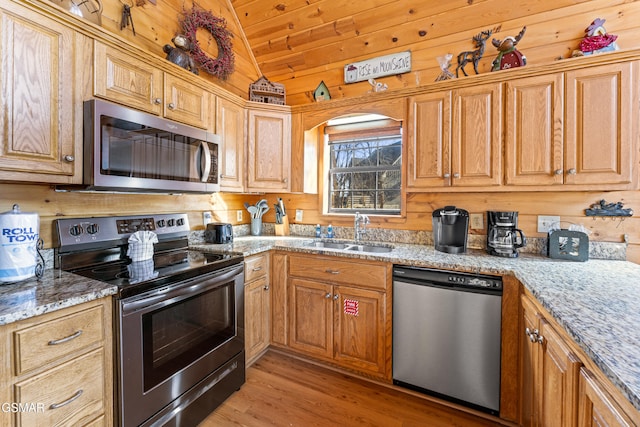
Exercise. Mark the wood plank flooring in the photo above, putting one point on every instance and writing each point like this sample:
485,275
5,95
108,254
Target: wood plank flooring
284,391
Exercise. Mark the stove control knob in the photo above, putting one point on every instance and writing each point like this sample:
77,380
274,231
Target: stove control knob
180,221
171,222
93,228
161,223
75,230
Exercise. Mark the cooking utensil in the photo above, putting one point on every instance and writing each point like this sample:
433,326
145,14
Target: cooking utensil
252,210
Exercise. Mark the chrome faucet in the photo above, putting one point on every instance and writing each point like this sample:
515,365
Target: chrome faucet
360,226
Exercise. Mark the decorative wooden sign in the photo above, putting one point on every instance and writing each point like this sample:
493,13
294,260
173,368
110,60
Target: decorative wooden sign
388,65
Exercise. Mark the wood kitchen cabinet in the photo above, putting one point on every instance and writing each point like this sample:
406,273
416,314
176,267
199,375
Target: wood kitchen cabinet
230,125
121,78
339,311
257,310
550,372
455,139
43,75
597,407
583,138
268,149
61,361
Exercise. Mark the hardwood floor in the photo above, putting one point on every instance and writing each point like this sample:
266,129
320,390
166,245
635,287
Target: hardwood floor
284,391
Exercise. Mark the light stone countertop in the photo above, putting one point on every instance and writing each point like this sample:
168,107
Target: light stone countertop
55,290
597,301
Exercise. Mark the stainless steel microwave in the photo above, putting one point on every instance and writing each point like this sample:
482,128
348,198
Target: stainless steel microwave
128,150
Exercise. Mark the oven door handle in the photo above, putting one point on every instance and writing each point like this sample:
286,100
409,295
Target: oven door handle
180,290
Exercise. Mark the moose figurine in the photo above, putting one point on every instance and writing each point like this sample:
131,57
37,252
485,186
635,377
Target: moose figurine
508,55
473,56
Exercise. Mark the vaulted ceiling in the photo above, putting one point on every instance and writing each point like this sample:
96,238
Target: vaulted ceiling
303,42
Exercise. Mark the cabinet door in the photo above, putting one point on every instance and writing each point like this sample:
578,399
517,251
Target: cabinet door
429,141
123,79
476,140
310,314
40,128
600,117
279,299
529,361
360,329
230,125
257,312
558,378
186,103
597,409
534,130
268,151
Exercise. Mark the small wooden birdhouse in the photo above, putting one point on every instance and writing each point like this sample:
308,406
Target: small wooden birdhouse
262,90
322,92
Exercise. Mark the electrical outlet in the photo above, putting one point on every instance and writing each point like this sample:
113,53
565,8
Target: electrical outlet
239,215
207,217
299,215
477,221
546,221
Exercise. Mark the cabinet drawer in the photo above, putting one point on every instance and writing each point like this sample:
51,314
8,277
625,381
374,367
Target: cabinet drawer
337,270
255,267
66,394
43,343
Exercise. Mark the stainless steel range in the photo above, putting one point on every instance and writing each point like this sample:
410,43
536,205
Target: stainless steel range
179,317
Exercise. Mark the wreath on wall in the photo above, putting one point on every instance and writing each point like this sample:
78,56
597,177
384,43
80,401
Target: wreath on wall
197,18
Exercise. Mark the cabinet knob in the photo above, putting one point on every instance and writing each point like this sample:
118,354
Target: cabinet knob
171,106
540,339
335,297
69,158
157,101
558,172
447,175
266,287
456,175
285,180
571,171
328,295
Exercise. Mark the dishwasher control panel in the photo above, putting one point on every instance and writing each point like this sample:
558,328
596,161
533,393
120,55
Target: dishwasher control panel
447,278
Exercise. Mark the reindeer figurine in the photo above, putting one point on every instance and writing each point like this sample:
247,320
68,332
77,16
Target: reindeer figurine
473,55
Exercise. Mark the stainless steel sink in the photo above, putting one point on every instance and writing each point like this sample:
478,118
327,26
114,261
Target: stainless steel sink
352,247
329,245
370,248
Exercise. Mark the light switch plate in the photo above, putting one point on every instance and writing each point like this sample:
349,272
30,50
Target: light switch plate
546,221
207,217
299,214
239,215
477,221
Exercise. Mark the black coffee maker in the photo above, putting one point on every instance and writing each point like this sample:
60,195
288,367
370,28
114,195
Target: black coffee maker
450,229
503,235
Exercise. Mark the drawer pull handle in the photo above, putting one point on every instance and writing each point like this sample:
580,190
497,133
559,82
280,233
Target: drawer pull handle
332,271
257,269
64,340
66,402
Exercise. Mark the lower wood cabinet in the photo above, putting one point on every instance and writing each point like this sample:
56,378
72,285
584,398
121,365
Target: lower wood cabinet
61,368
338,310
257,307
559,386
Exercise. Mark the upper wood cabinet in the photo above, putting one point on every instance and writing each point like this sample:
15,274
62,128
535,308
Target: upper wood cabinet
268,150
534,131
602,114
121,78
44,70
455,139
583,138
230,125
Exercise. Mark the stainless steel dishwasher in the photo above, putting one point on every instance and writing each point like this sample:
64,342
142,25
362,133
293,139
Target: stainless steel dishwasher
446,335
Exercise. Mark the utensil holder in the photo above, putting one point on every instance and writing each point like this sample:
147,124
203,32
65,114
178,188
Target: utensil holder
256,226
283,229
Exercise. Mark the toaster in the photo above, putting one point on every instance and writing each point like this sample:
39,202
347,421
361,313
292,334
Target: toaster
218,232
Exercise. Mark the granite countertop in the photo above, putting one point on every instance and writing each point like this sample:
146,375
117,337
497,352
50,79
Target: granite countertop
596,301
55,290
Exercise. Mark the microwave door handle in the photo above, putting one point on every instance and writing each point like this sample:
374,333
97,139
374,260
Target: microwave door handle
205,161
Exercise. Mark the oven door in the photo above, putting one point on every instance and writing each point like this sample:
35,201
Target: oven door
172,338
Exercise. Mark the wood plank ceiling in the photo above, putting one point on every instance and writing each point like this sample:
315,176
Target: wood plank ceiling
303,42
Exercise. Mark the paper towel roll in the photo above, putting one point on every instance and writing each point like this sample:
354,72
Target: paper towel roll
18,241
